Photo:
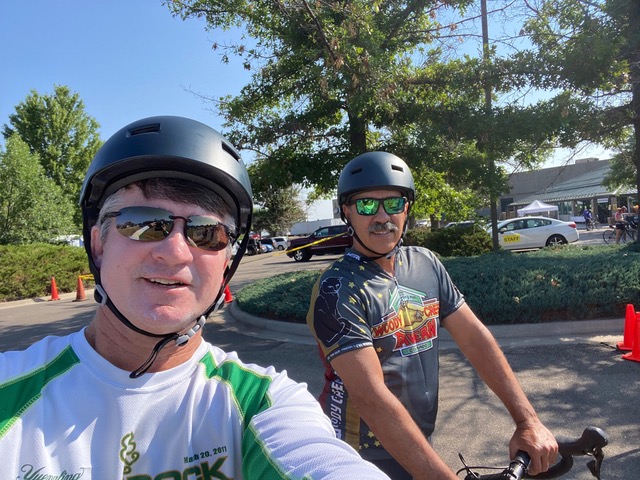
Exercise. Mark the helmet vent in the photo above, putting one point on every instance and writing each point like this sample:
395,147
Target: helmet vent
397,167
356,170
230,151
151,128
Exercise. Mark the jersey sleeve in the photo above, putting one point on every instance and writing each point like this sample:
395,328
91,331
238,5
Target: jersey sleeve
337,316
294,439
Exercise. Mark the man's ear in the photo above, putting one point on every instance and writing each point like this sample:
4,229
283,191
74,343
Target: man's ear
96,246
345,210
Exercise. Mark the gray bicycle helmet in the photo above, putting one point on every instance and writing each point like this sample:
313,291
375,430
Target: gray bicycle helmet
169,147
375,170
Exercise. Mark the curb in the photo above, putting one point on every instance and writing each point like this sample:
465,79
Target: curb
609,330
47,299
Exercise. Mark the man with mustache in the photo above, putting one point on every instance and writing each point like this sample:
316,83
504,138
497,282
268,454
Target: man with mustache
376,313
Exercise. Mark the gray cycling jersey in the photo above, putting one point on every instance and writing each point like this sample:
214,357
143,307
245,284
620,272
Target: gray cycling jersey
356,304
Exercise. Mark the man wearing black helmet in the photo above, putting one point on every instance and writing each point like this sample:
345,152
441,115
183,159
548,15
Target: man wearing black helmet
376,315
138,394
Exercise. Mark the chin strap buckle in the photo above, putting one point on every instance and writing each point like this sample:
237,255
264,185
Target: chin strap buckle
100,295
185,337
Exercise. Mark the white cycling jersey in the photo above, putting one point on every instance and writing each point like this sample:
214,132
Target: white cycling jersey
67,413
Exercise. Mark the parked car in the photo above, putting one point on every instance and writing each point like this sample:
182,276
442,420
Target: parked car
535,232
465,224
265,247
281,243
333,239
277,243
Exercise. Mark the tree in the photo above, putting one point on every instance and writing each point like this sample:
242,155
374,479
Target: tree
57,129
32,207
280,207
332,80
589,51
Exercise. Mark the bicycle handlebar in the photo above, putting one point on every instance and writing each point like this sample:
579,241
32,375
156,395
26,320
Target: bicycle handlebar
591,442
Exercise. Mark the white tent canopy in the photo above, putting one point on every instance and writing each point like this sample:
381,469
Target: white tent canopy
536,207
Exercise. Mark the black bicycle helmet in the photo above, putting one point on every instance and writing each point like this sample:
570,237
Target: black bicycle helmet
373,171
170,147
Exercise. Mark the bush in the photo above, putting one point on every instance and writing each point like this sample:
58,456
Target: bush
570,282
284,297
453,241
26,270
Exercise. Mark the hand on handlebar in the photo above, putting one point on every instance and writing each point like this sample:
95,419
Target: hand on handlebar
535,439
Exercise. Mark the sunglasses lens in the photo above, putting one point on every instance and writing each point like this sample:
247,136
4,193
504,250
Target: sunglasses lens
145,224
367,206
394,205
148,224
207,234
370,206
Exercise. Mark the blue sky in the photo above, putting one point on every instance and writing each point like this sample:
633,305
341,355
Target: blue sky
127,59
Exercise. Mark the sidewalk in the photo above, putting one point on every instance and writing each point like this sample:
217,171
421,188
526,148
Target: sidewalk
609,331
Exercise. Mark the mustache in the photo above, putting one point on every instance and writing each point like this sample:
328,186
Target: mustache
383,227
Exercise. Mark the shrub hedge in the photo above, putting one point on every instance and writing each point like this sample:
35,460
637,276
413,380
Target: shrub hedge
571,282
26,270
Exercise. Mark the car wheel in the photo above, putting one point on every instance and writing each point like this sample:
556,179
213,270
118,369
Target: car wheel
556,240
302,255
280,247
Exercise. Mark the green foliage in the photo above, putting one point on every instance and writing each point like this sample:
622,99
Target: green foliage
280,206
57,129
453,241
284,296
26,270
32,206
334,79
553,284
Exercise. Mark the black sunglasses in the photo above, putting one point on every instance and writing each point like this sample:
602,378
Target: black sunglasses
149,224
370,206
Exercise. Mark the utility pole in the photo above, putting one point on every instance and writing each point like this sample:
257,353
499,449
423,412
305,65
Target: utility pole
493,199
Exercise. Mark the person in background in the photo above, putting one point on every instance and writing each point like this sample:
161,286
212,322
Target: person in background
588,218
620,223
376,314
138,393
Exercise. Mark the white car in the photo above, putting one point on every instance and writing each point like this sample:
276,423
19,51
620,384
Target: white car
535,232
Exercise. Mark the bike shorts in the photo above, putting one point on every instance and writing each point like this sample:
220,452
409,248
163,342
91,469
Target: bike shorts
620,226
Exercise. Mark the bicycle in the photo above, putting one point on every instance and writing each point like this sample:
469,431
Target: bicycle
592,224
609,236
590,443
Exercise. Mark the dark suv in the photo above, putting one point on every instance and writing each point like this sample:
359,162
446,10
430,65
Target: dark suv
302,249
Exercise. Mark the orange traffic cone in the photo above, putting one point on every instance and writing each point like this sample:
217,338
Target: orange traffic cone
227,295
629,329
635,352
80,295
54,290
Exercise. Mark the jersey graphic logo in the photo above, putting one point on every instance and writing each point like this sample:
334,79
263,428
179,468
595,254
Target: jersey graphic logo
413,321
128,453
30,473
326,307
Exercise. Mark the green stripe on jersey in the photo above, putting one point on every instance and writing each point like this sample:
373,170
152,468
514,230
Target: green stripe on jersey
17,395
249,389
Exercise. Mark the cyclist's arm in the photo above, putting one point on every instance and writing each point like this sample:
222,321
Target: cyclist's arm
293,438
481,349
392,425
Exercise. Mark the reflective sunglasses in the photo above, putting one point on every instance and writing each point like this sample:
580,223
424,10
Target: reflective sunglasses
370,206
149,224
